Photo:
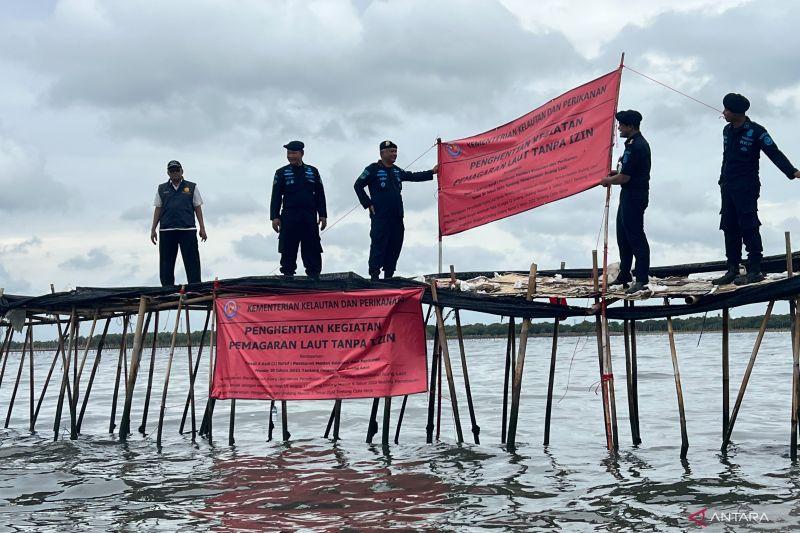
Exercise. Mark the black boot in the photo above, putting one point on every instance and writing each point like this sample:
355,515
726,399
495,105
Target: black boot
621,279
754,274
728,277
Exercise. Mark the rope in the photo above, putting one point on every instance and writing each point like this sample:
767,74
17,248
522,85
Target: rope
673,89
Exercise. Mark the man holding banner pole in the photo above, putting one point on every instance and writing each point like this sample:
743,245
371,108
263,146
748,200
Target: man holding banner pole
633,177
385,204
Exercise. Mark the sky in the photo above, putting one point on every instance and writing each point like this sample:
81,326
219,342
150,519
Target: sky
96,97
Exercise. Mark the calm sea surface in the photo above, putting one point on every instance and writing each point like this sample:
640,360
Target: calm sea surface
314,484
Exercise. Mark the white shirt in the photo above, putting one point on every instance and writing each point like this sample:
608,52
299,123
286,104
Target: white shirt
197,200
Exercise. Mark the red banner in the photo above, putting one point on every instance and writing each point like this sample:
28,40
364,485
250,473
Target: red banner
555,151
323,345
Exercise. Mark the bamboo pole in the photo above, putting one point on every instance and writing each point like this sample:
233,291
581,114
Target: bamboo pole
795,384
629,374
746,377
190,400
7,349
400,419
447,367
136,356
795,362
329,426
726,411
271,425
150,370
372,427
85,353
19,374
432,387
338,418
113,421
508,365
191,381
439,394
601,356
387,411
511,438
285,422
231,423
30,382
637,439
65,362
678,388
206,425
550,383
97,357
163,408
476,430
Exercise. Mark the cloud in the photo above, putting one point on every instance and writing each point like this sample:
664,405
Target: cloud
257,247
13,285
94,259
21,247
25,184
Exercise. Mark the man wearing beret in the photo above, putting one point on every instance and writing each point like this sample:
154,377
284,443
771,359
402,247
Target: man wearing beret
633,177
177,203
298,212
385,204
743,140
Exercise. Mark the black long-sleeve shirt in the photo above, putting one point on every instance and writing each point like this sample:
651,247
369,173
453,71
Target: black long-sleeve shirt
742,147
385,186
299,190
636,163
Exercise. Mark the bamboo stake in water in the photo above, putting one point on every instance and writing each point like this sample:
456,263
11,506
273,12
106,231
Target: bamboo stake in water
516,390
163,408
678,388
97,357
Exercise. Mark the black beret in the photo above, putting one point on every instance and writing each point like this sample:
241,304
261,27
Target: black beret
736,103
629,117
174,164
294,146
386,145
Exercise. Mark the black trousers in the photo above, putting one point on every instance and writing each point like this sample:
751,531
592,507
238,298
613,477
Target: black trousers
739,221
168,244
386,241
631,240
302,233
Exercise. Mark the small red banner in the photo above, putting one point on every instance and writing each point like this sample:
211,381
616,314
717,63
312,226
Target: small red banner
555,151
322,345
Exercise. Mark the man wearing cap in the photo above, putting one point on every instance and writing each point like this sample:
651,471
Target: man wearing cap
742,141
177,203
385,204
633,177
298,212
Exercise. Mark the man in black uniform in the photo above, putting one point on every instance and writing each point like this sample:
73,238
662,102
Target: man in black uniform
385,204
743,140
298,187
633,177
177,202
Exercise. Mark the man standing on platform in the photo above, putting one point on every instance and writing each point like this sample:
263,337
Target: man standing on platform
297,188
633,177
742,142
177,203
385,204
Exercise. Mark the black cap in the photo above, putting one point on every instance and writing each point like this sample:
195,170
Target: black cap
294,146
174,164
736,103
385,145
629,117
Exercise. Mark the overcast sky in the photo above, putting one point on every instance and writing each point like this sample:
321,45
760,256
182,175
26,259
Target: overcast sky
97,96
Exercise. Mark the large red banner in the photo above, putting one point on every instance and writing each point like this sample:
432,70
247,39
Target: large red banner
322,345
555,151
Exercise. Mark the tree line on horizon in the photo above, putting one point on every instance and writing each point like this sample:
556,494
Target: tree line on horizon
497,329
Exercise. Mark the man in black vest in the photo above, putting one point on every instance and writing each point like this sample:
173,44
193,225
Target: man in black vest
743,140
633,177
176,204
385,204
298,188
